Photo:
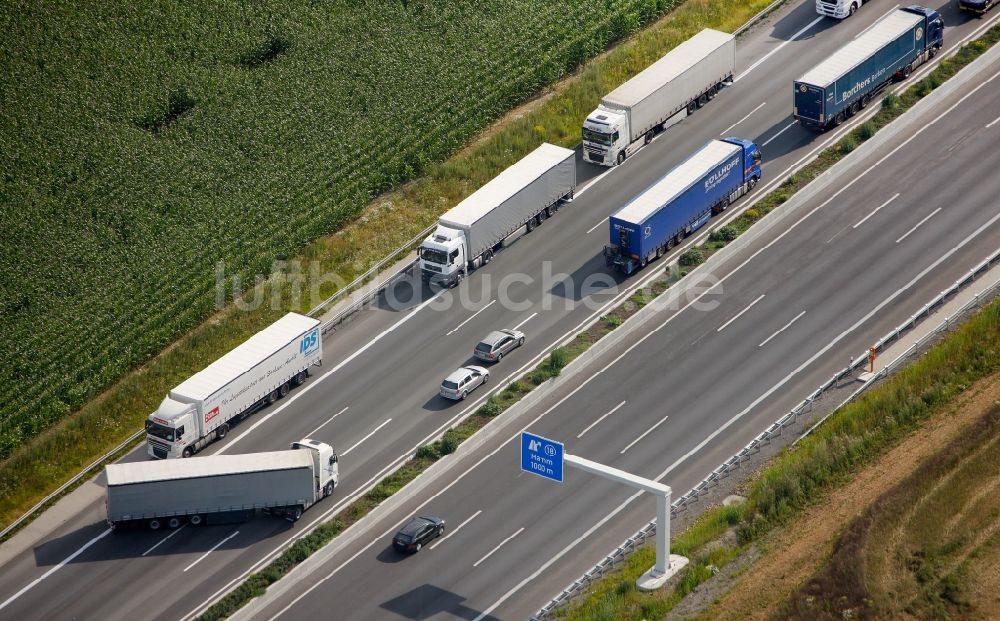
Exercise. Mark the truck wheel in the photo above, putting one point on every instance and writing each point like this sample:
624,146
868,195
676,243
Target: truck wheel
328,489
621,157
487,256
221,432
702,99
864,100
643,261
174,522
678,238
670,243
753,183
529,225
187,452
297,513
854,7
283,389
271,398
155,525
300,377
659,251
649,136
196,520
691,108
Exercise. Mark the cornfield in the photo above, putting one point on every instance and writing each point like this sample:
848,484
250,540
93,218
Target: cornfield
143,142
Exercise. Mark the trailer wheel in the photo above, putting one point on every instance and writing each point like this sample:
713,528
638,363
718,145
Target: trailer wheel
272,397
174,522
328,489
649,136
283,389
702,100
221,432
297,513
839,119
155,525
187,452
300,377
864,100
659,251
691,108
195,520
487,256
670,243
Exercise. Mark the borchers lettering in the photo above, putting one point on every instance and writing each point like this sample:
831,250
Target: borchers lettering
860,85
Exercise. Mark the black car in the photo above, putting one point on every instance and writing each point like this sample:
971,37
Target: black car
417,533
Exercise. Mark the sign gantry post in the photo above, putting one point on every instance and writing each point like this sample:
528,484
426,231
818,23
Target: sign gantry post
546,459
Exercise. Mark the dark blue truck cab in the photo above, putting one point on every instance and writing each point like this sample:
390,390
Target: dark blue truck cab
844,83
681,202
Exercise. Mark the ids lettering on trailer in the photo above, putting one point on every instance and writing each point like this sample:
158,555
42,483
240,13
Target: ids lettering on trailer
310,342
714,180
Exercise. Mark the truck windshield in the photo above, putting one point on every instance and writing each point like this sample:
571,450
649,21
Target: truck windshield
164,433
434,256
598,137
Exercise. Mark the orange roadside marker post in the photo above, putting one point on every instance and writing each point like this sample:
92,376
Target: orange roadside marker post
871,358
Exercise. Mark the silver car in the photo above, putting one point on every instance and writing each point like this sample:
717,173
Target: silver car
498,344
462,381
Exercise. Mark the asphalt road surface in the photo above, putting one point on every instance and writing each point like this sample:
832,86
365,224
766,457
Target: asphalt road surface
375,399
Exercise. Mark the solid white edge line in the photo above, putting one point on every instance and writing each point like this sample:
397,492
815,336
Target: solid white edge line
329,420
212,549
778,49
644,434
530,317
157,544
370,434
725,131
471,317
641,282
736,417
68,559
454,530
739,314
499,545
918,224
783,328
298,393
993,122
875,211
591,425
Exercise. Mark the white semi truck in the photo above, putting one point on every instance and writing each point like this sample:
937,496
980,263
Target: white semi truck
662,94
220,488
258,372
523,195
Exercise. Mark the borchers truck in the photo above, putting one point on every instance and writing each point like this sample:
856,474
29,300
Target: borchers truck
662,94
220,488
256,373
681,202
845,82
469,234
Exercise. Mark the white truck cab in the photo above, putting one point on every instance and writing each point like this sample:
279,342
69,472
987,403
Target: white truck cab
606,137
838,9
443,256
325,464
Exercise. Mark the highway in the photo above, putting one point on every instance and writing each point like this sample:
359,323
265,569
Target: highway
375,397
695,388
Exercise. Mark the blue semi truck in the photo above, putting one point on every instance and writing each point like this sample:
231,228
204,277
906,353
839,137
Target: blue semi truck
681,202
844,83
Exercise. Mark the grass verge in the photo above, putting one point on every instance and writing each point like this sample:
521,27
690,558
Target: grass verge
42,464
854,436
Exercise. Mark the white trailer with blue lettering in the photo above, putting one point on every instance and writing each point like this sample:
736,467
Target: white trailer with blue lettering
257,373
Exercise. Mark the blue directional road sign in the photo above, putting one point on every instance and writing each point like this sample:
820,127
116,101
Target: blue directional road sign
542,456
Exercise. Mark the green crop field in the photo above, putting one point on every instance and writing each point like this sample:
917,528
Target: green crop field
142,143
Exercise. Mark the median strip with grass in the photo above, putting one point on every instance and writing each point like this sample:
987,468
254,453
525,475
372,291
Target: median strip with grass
42,464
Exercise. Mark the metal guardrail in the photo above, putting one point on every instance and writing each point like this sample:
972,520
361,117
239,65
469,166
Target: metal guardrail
775,430
378,289
62,488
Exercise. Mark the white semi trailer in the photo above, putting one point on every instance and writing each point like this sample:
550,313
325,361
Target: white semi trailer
258,372
523,195
220,488
662,94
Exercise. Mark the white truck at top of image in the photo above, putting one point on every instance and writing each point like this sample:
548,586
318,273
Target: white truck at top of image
220,488
523,195
838,9
256,373
662,94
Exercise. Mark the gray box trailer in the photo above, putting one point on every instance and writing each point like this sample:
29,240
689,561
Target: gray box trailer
170,492
684,79
469,233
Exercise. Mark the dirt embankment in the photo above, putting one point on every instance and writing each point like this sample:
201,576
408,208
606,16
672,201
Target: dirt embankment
913,536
